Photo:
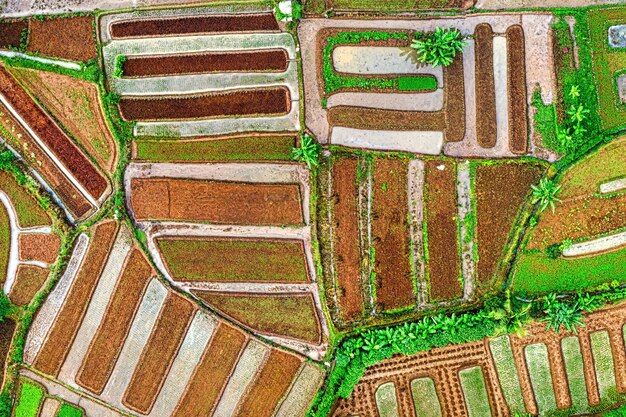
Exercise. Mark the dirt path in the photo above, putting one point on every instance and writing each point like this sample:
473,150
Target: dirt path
416,218
464,203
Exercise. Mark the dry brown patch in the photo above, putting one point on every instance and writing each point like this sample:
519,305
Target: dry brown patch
28,280
485,87
71,38
42,247
516,70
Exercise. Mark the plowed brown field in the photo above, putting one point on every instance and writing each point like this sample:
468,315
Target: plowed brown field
11,33
42,247
70,37
516,70
28,281
485,87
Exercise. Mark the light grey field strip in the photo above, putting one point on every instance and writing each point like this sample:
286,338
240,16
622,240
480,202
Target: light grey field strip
249,287
48,313
50,407
416,215
613,186
207,83
97,306
302,392
426,101
600,244
501,87
13,243
464,206
58,62
424,142
138,336
189,354
249,363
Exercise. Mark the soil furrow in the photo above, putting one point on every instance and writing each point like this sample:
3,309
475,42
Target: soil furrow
454,101
516,70
485,87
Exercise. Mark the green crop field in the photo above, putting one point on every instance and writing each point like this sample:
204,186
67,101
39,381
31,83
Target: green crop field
386,400
69,411
475,392
507,373
603,362
540,378
425,398
29,400
570,346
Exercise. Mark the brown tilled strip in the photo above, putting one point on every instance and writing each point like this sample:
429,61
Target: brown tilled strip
516,71
485,87
245,61
619,357
262,101
158,354
455,100
68,153
590,372
109,339
61,335
348,260
390,230
270,386
167,26
517,347
217,201
559,376
379,119
28,280
211,373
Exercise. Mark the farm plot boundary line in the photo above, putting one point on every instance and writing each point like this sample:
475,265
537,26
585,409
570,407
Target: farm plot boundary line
416,218
13,246
466,241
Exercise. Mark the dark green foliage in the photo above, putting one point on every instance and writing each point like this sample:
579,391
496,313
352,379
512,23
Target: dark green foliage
5,305
554,251
417,83
567,313
439,47
307,152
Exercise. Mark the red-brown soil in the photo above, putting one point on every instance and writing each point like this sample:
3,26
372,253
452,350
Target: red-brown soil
262,101
381,119
516,70
485,87
440,213
7,327
579,218
274,60
159,353
186,25
500,191
58,142
42,247
216,201
249,260
64,188
346,238
455,100
390,232
11,33
440,364
271,384
71,38
211,374
109,339
28,280
61,336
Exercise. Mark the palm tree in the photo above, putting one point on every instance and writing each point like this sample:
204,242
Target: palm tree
546,194
307,152
558,313
438,47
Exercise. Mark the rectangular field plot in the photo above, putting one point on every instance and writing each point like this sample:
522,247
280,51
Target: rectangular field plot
603,363
475,392
386,400
248,260
507,373
539,370
29,401
216,201
425,398
570,346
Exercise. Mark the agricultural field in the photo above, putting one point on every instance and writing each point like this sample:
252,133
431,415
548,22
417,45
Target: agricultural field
320,208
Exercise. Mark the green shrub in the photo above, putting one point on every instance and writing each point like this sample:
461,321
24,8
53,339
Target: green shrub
308,151
417,83
439,47
119,66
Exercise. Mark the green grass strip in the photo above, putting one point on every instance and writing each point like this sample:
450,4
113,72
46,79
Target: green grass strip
237,149
570,346
386,400
507,373
29,401
540,378
475,392
69,411
425,398
423,83
603,363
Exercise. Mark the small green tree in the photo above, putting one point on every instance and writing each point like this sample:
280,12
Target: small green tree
307,152
510,318
546,193
438,47
561,313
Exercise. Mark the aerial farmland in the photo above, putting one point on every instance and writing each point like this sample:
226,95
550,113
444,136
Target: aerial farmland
313,208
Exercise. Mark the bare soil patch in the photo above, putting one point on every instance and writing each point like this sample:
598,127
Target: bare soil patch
390,231
75,104
212,372
11,33
485,87
271,384
262,101
518,108
28,280
286,315
187,25
61,336
500,191
7,328
346,238
72,38
159,353
249,260
42,247
454,101
440,213
381,119
107,344
30,150
244,61
216,201
58,142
